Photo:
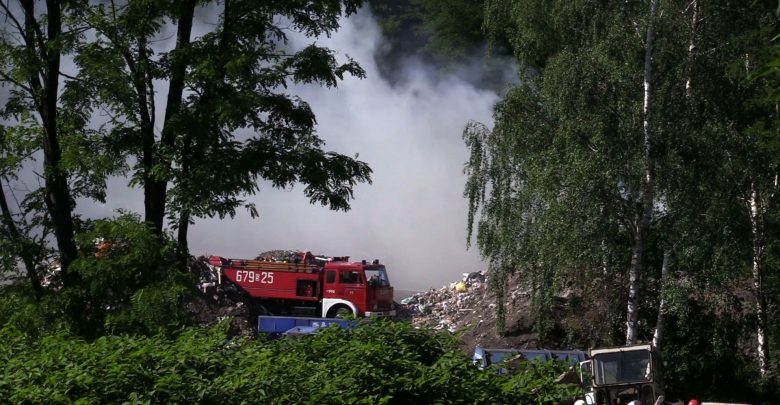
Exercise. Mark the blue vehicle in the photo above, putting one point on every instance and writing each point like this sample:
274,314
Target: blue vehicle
485,358
294,325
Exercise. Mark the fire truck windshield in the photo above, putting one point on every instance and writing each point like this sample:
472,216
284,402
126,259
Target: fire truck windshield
377,277
622,367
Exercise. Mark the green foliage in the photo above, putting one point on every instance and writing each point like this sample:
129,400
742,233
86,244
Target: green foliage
378,363
20,310
154,308
695,359
130,279
112,369
455,28
447,35
556,187
534,382
51,116
18,242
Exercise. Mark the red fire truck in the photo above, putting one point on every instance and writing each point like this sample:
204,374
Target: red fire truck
304,284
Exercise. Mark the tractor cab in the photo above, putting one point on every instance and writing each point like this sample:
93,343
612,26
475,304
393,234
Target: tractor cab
622,376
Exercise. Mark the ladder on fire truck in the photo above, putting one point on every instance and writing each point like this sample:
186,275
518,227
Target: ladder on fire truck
263,265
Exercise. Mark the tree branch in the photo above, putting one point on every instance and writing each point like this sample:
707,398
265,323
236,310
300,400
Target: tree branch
37,34
16,22
15,82
65,75
145,62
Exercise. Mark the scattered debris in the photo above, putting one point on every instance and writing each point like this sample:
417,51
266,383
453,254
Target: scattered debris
441,309
467,308
217,301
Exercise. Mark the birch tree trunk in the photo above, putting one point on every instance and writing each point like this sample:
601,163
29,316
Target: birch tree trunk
757,230
755,205
691,48
660,323
643,223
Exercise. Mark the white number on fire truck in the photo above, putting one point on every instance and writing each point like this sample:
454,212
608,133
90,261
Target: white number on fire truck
264,277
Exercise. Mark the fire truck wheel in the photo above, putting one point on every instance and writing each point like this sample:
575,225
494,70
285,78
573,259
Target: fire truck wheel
341,312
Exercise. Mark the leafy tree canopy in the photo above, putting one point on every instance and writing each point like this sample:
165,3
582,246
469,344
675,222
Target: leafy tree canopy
447,35
559,186
197,118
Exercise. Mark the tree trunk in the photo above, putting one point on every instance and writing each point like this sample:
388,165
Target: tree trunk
634,273
660,323
643,223
186,152
756,212
22,245
155,189
153,210
58,198
184,215
184,224
691,48
757,230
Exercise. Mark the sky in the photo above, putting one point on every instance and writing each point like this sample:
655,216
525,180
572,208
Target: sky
412,218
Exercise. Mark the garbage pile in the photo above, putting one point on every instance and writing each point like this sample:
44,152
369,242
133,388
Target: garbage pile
469,308
296,256
218,301
445,308
280,256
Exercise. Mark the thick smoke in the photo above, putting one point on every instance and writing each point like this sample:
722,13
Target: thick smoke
413,217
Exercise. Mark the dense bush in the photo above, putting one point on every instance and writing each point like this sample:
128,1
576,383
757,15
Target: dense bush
19,309
378,363
131,279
